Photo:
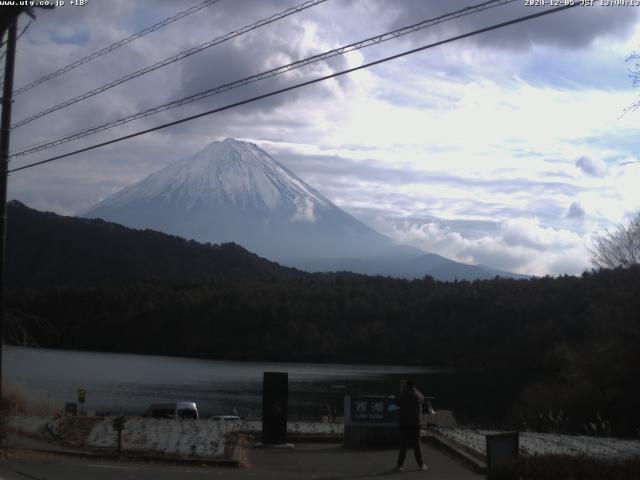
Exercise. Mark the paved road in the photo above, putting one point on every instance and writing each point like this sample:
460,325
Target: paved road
306,462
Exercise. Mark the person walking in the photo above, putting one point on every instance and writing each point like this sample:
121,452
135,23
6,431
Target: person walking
409,420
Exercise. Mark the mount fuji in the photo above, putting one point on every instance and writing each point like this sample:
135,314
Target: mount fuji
233,191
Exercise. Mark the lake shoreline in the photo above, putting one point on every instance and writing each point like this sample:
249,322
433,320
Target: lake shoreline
47,379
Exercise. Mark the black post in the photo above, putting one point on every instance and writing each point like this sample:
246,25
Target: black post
275,389
118,426
501,448
5,131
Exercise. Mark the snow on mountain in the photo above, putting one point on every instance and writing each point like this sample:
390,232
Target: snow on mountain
230,172
235,191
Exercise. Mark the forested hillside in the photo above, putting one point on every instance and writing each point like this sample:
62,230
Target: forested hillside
45,250
574,338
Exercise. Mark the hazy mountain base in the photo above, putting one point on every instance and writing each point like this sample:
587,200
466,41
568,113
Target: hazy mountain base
400,263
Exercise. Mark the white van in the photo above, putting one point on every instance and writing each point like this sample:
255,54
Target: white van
177,410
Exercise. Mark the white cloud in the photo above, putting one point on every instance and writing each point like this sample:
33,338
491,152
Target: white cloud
521,245
304,211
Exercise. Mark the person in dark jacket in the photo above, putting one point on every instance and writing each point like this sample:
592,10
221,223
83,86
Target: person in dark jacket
409,420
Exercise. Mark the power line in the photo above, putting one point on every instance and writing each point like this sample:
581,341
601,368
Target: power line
299,85
116,45
267,74
22,32
175,58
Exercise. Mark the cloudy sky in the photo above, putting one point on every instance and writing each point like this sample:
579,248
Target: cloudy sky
504,149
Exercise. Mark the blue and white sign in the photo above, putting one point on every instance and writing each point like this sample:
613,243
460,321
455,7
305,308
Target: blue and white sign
370,409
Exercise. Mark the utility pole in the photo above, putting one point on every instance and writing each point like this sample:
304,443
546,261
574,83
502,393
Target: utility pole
5,132
8,22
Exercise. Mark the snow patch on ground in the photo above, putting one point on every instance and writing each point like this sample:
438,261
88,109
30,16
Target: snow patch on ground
293,428
191,438
532,443
196,438
33,425
208,438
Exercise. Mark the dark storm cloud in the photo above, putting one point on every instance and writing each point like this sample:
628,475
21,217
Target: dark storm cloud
572,29
264,48
256,52
37,56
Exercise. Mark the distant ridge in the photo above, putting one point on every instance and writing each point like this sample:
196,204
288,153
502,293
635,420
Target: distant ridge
49,250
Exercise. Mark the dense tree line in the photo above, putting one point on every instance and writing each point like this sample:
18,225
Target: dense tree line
575,338
45,249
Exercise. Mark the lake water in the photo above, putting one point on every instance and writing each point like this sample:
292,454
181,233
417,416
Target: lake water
130,383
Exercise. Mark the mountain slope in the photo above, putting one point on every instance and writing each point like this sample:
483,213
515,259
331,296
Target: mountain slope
234,191
45,250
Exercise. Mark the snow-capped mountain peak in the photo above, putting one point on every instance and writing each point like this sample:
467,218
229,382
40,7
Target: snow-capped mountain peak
232,173
235,191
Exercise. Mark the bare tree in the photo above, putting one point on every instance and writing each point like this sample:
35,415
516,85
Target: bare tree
619,247
634,74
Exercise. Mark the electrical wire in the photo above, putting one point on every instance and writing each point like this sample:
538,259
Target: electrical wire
22,32
116,45
170,60
267,74
298,85
4,52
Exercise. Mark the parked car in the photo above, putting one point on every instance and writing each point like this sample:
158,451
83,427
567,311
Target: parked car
177,410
